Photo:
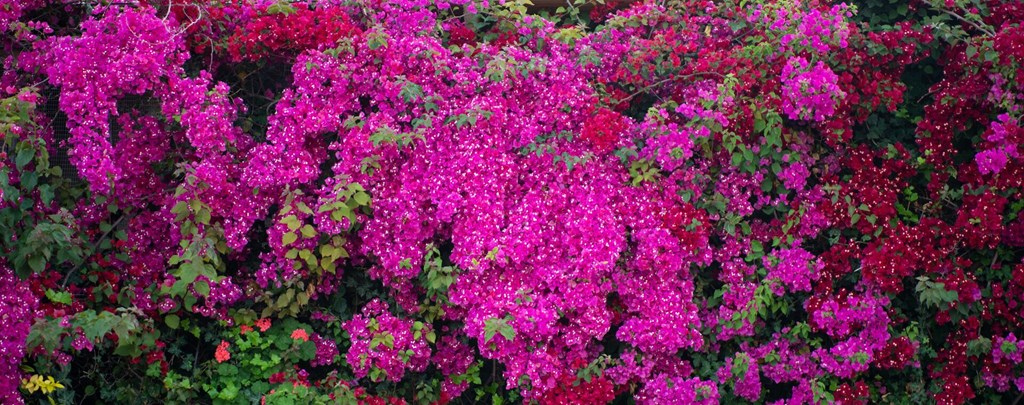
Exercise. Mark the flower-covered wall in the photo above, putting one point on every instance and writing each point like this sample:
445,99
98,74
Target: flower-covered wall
463,201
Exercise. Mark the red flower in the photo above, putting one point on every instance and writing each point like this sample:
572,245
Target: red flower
300,334
572,391
263,324
896,354
604,129
459,35
222,353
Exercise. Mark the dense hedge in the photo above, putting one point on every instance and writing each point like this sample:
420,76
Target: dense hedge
435,201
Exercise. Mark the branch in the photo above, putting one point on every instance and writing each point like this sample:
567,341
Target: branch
663,81
92,250
575,13
986,31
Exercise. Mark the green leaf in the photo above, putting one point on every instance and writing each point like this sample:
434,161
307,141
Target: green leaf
172,321
495,325
759,125
203,216
979,347
180,209
24,156
46,194
285,299
281,8
62,297
308,231
37,263
178,288
934,294
289,238
376,40
361,198
191,270
95,325
292,222
202,288
508,332
29,180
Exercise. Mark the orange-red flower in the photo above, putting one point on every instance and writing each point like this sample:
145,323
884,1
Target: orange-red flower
222,353
300,334
263,324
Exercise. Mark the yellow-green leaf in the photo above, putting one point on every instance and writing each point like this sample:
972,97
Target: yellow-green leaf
289,238
308,231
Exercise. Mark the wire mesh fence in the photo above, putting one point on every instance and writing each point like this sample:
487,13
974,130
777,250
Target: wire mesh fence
59,126
58,122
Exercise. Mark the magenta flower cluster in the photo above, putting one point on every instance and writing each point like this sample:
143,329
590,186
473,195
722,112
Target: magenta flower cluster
19,305
809,91
382,342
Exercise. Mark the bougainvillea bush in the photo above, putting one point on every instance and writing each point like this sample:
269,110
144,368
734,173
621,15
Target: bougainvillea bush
464,201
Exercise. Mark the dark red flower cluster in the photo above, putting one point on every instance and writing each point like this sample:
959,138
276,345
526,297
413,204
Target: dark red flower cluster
979,223
367,399
459,34
1010,45
964,284
664,51
571,390
600,12
960,99
838,262
1004,13
691,225
896,354
603,130
858,394
873,189
284,34
956,391
920,248
952,364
